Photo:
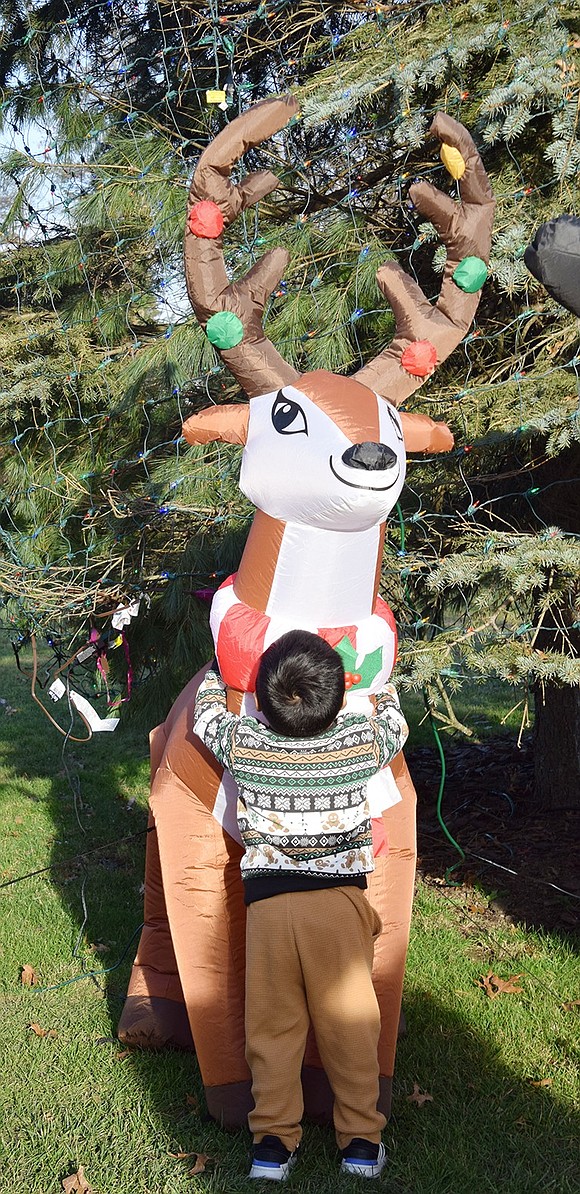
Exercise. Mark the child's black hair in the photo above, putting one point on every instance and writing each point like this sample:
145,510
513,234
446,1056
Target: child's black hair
300,684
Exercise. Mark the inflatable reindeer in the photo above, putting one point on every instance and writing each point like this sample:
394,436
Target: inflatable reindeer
324,464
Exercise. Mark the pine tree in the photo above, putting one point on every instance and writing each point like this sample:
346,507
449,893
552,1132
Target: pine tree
482,567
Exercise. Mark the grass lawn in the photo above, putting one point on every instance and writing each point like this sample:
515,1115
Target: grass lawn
502,1073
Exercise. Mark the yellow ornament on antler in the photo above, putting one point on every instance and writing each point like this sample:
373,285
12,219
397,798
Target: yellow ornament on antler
453,161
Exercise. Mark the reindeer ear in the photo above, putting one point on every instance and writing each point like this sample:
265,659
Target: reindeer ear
225,424
422,434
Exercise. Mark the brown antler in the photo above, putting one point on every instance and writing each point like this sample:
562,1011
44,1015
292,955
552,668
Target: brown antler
465,229
252,359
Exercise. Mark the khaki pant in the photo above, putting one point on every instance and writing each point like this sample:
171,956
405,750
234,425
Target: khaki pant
309,957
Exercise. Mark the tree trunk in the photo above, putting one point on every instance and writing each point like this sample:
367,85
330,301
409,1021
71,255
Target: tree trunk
557,747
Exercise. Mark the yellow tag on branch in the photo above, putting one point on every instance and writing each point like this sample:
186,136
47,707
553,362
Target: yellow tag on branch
215,97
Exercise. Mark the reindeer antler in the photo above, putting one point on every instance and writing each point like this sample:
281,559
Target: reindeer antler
425,335
232,313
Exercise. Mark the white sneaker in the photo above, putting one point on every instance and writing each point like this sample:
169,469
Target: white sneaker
363,1159
271,1160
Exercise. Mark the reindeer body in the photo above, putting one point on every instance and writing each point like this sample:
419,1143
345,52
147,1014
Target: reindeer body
324,464
313,555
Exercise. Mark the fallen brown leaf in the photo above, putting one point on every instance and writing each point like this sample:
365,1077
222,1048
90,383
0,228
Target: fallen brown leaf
200,1164
493,985
38,1031
192,1101
507,986
542,1082
28,976
77,1183
182,1156
123,1054
419,1096
569,1007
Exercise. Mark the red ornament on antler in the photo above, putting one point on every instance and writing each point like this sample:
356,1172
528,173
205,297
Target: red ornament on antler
206,220
419,358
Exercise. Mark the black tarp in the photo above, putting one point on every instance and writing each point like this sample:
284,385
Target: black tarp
553,257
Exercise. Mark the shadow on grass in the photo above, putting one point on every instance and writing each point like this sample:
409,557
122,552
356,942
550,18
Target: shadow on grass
487,1128
516,850
92,800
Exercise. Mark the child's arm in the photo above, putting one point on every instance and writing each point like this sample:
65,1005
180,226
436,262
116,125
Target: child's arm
389,725
211,720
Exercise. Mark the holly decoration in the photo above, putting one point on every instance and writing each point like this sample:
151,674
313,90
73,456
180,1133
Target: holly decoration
364,673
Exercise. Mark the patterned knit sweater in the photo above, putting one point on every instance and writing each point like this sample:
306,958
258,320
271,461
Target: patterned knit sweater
302,808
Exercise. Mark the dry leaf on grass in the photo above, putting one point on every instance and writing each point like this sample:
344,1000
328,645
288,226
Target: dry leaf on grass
38,1031
200,1164
419,1096
123,1054
28,976
571,1006
182,1156
192,1101
542,1082
494,986
77,1183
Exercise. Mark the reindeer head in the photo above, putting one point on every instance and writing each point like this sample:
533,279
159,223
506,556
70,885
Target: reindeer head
326,452
320,449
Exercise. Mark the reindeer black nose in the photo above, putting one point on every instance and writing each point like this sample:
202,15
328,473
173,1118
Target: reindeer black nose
370,456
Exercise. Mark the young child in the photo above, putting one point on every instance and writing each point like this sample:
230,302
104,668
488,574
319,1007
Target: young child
304,820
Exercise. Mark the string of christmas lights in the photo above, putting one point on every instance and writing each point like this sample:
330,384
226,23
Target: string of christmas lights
101,358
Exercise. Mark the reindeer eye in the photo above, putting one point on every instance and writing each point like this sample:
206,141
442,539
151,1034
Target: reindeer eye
288,417
395,420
